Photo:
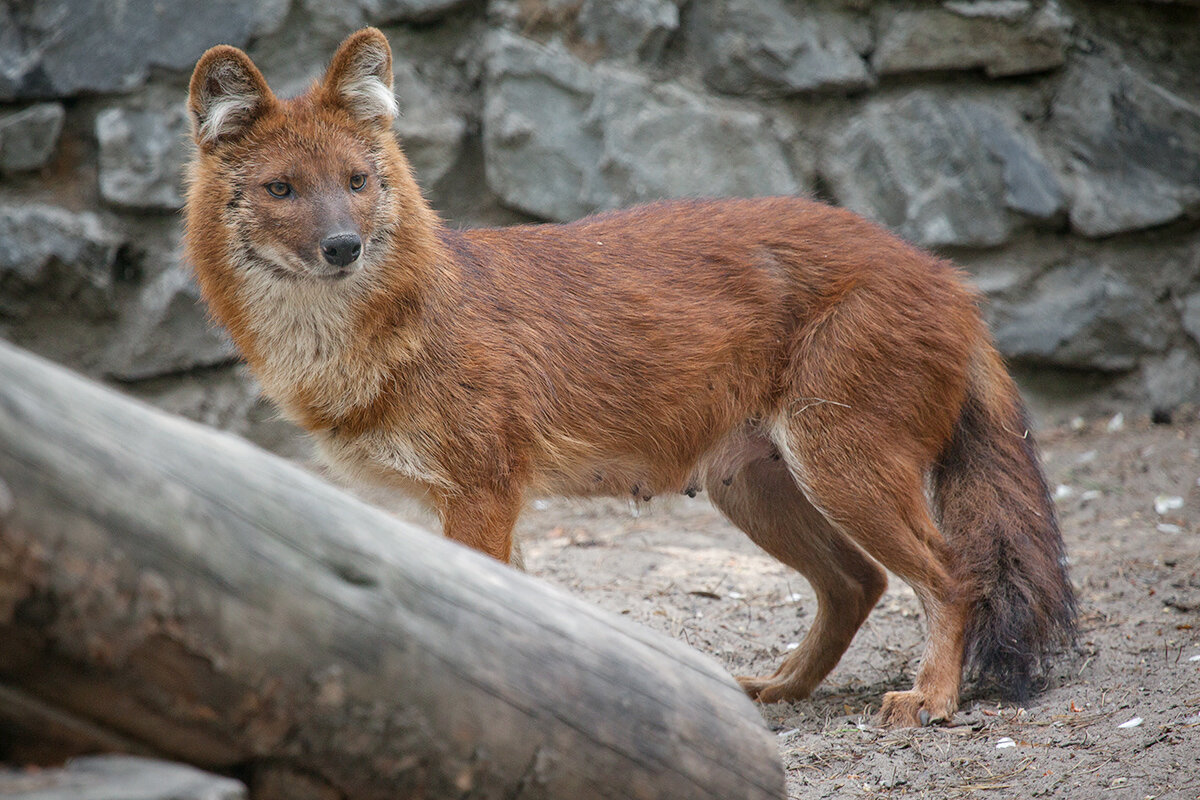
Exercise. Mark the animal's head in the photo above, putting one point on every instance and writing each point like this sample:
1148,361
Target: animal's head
307,189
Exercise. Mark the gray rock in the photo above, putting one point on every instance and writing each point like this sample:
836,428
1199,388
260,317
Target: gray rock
68,47
629,27
1190,313
940,170
664,141
226,397
430,128
269,16
17,59
1002,37
29,136
1007,10
39,238
773,47
167,330
1131,148
1004,273
119,778
540,147
388,11
347,15
142,155
1172,381
296,56
562,139
1084,317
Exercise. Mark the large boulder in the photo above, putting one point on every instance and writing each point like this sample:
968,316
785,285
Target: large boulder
166,330
563,139
775,47
941,170
430,127
1001,37
70,47
1131,147
44,243
629,27
1082,315
143,150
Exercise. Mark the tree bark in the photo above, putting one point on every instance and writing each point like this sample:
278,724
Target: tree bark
176,588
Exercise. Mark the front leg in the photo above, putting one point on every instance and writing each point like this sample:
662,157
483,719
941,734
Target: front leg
482,519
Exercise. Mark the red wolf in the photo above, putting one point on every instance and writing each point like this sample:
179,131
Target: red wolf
831,387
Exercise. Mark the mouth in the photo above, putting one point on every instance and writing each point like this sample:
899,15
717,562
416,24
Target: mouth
283,265
337,275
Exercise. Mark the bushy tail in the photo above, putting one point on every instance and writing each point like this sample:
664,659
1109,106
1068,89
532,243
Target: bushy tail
995,510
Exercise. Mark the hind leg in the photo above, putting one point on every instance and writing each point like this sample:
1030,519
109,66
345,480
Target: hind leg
871,487
764,501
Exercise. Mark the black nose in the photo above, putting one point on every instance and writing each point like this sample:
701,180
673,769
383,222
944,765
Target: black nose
341,248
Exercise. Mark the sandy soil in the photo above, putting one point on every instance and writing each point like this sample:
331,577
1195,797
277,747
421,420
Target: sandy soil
1120,720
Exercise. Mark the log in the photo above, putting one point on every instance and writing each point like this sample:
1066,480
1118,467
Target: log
181,590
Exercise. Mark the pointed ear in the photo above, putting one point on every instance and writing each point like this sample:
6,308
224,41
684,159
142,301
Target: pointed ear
360,77
226,94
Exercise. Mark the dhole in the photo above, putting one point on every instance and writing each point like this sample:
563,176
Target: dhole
813,373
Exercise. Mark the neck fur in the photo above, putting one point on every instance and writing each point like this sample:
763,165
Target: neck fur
322,350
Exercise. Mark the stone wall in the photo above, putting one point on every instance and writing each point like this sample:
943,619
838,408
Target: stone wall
1052,148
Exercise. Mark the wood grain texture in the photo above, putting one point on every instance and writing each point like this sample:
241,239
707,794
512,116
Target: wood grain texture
190,593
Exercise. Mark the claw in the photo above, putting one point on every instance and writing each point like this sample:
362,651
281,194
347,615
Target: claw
924,717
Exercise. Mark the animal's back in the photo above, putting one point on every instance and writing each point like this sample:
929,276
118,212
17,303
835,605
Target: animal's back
658,330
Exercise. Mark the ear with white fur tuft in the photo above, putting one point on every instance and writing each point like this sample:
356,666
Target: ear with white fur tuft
360,77
225,96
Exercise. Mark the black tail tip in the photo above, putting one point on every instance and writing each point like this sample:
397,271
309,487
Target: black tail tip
1012,652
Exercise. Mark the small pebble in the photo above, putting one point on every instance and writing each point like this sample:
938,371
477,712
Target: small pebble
1005,742
1133,723
1166,503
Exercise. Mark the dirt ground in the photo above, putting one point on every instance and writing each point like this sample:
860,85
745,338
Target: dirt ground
1120,720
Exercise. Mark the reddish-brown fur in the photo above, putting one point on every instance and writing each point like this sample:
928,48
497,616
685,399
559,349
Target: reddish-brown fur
809,369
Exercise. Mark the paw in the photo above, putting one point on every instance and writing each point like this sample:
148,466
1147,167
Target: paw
771,690
914,709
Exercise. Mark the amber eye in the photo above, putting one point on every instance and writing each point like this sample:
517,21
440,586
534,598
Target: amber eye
357,182
279,189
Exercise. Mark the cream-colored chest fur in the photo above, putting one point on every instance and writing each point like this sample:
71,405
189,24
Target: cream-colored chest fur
395,459
309,349
312,356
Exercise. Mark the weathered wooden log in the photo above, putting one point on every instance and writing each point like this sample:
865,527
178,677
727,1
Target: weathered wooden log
214,604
